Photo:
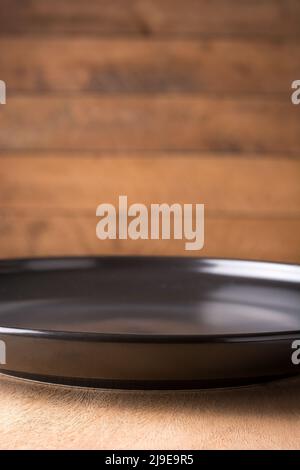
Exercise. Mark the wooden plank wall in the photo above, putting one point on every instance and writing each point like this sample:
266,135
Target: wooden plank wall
162,100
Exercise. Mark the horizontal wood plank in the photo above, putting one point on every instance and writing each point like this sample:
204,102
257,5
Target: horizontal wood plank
149,123
142,66
26,235
145,17
232,185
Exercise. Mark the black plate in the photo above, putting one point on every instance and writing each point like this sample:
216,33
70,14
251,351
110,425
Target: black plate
136,322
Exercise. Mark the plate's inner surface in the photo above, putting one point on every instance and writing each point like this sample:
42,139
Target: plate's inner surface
150,296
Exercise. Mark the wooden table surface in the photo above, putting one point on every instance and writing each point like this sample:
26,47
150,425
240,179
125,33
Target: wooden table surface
38,416
162,100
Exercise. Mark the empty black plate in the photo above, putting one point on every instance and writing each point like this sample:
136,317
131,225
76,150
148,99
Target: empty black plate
138,322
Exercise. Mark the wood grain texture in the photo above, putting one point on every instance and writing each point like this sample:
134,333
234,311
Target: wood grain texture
147,17
150,123
36,416
69,65
250,186
48,203
25,235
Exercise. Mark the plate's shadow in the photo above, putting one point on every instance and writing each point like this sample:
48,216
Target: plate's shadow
280,397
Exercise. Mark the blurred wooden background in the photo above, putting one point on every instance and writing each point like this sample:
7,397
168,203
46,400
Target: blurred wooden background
162,100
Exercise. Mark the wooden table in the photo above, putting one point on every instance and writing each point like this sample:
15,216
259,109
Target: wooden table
38,416
170,101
